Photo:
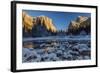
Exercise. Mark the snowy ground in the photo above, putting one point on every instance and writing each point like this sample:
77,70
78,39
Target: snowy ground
58,50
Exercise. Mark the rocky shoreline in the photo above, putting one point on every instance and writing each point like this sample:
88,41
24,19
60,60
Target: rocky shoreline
54,51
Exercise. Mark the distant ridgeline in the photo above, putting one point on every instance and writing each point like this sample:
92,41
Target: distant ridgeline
43,26
82,25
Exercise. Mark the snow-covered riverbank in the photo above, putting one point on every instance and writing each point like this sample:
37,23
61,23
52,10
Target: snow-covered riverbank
55,51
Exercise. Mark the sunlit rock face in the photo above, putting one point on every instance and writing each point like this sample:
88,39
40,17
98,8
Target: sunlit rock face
27,21
81,18
37,26
82,23
46,22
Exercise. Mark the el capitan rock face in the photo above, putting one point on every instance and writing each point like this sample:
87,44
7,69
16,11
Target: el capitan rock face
37,26
47,22
81,24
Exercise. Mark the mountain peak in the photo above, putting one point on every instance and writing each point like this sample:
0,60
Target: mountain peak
30,22
47,22
82,23
81,18
27,21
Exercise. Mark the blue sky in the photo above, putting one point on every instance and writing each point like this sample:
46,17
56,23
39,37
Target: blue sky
60,19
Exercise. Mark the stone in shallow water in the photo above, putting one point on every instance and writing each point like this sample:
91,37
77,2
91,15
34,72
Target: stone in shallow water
50,50
69,57
45,56
82,46
79,57
40,51
59,53
25,53
86,57
74,53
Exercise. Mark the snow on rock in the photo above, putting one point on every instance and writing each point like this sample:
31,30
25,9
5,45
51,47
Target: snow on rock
80,58
50,50
40,51
26,54
70,50
44,56
86,57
